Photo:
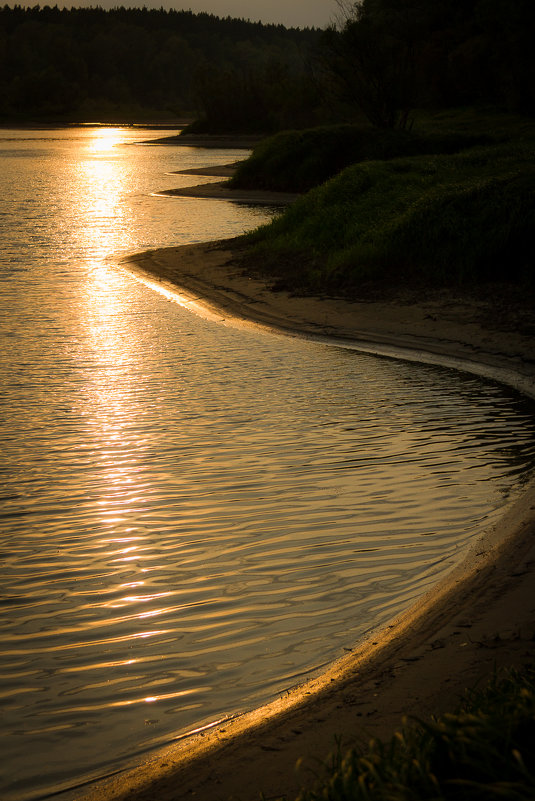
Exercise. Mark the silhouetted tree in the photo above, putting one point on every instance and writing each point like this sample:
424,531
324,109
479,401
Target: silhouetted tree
371,61
389,56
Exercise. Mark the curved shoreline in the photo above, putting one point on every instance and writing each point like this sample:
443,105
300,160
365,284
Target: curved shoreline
481,616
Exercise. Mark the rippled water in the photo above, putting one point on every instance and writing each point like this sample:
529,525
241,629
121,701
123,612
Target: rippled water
194,517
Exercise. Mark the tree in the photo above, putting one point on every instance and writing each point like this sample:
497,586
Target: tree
371,61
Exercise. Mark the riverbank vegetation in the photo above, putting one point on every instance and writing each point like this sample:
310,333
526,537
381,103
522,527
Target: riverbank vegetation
415,192
393,56
431,219
484,751
298,160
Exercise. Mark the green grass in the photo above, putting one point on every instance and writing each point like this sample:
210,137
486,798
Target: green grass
296,161
485,751
435,219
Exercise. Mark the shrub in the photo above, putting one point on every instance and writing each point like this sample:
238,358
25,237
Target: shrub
482,752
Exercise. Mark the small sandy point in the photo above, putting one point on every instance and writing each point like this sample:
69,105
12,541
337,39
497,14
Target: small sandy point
219,170
480,618
220,190
222,141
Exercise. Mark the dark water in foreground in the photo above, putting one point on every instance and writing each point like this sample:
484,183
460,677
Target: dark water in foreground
194,517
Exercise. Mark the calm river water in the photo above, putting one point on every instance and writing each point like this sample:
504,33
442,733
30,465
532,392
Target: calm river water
195,517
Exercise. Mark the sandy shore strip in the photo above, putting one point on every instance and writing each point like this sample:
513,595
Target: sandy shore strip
220,190
480,618
219,142
218,170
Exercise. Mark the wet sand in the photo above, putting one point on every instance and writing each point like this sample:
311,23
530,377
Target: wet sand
480,618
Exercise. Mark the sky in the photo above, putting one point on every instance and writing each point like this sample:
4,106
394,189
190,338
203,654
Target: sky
291,13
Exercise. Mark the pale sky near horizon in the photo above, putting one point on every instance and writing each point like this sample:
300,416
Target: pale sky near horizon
291,13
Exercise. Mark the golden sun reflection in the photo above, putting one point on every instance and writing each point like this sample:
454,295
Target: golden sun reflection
150,699
104,140
110,402
111,390
101,184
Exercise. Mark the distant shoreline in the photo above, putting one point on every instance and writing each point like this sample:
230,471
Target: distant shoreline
481,617
223,141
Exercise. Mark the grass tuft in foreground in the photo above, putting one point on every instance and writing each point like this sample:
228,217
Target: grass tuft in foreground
483,752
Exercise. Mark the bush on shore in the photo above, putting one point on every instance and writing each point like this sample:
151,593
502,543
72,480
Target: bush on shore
482,752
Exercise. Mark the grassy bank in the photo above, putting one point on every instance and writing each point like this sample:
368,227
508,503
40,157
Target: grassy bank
296,161
482,752
440,219
451,202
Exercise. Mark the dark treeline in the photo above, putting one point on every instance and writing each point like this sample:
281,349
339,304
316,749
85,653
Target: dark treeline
392,56
80,62
388,58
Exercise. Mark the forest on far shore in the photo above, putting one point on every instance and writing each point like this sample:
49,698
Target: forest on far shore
385,59
82,63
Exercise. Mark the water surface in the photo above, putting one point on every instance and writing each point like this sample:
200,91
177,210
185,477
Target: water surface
195,518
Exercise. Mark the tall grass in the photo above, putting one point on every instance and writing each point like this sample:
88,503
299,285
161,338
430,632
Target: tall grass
485,751
437,219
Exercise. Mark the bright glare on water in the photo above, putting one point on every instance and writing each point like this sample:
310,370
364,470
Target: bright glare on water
194,517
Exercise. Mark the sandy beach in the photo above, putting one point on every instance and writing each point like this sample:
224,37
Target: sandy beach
479,619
